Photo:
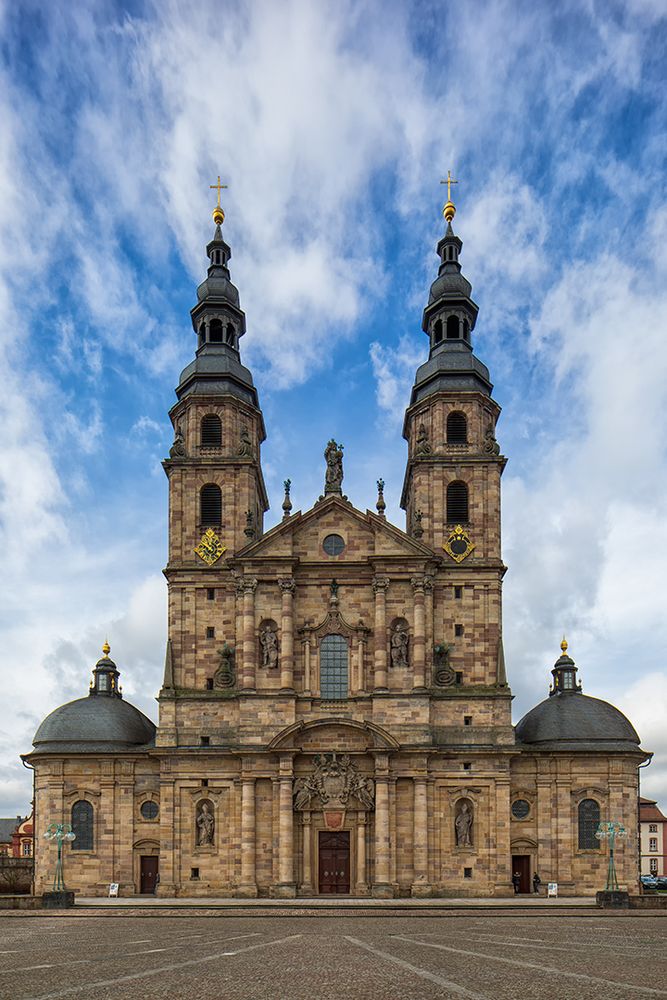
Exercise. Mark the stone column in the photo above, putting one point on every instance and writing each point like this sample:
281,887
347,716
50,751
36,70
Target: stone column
286,885
362,884
167,886
307,881
380,584
566,842
287,637
306,665
248,886
419,636
249,642
420,886
360,665
382,887
499,820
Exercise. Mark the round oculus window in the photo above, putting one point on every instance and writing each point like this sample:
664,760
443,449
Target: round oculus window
150,810
520,809
333,545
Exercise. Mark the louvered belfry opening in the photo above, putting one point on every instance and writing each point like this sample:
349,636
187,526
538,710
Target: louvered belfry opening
457,503
211,431
457,428
210,505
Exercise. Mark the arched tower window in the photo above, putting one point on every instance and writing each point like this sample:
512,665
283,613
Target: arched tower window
457,428
437,331
230,334
215,331
589,817
333,667
82,826
202,333
210,506
211,431
452,328
457,502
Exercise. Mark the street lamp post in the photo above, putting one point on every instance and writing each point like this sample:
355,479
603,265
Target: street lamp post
59,832
611,831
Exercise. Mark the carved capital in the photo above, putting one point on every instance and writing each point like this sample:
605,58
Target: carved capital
287,586
380,583
418,583
248,586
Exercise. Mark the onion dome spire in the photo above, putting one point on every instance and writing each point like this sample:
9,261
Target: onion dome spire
105,676
564,674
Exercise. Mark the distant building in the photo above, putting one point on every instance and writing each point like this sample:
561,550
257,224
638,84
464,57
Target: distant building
16,837
652,838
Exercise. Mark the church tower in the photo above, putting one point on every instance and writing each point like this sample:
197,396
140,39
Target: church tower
217,496
451,490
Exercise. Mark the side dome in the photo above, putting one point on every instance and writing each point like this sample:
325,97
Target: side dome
94,724
101,722
570,720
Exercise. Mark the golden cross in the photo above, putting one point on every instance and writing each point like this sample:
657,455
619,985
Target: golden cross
448,182
218,187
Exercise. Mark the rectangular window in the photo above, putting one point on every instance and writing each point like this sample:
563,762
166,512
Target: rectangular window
467,872
333,667
27,849
459,677
467,720
467,766
653,844
458,630
204,782
653,866
209,683
653,828
194,873
210,593
458,593
205,741
210,632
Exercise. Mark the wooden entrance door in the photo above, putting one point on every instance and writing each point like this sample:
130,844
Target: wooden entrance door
334,862
521,867
149,866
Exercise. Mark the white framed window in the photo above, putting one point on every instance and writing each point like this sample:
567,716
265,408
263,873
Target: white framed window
27,849
653,866
653,828
653,844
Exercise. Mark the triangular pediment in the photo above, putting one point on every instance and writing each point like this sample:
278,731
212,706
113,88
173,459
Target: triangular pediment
365,534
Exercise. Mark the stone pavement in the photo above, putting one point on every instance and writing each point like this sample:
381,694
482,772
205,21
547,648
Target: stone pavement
562,954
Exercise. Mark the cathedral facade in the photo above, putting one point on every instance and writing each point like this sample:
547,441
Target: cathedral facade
335,716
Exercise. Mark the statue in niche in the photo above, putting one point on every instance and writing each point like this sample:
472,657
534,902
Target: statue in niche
417,529
463,825
224,675
491,446
399,645
423,447
269,642
245,445
205,824
177,449
333,480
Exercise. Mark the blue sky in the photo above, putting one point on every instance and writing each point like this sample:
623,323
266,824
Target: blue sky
333,124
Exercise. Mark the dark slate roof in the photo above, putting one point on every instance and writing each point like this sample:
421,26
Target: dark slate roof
90,725
7,827
574,721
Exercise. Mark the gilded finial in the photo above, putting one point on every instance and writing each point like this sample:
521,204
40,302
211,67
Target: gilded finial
218,214
563,646
449,211
106,648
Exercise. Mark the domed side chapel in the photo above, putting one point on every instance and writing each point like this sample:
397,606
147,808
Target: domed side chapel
335,712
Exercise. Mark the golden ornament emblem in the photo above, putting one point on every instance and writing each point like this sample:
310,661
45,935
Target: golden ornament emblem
210,548
458,545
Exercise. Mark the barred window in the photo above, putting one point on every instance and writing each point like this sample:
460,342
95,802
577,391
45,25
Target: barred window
589,817
82,826
457,428
333,667
210,505
457,503
211,431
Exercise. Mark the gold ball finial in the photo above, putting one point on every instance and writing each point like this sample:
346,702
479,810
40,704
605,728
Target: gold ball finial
449,211
218,215
563,646
106,648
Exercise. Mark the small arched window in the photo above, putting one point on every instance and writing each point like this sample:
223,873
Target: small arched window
333,667
457,428
230,334
452,328
210,506
215,331
589,817
437,331
202,333
457,502
82,826
211,431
